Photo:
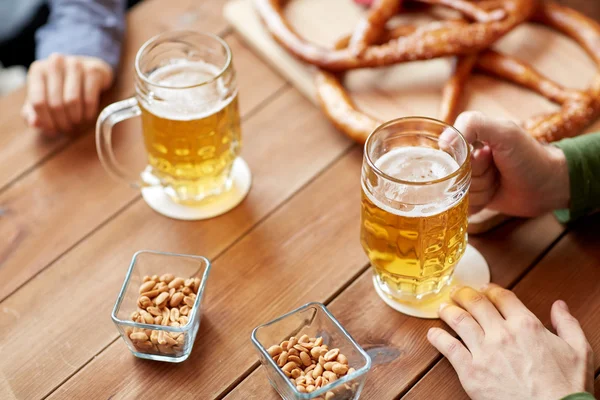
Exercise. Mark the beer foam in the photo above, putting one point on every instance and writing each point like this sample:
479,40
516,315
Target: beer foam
181,102
415,164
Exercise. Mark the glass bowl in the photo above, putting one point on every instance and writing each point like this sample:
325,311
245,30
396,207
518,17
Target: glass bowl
159,263
314,320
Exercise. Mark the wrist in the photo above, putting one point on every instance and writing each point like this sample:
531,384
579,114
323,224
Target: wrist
557,190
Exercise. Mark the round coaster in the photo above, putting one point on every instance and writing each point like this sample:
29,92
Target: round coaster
472,270
160,202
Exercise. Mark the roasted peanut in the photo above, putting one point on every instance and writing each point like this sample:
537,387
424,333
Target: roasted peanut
309,368
176,298
318,341
318,371
196,285
350,371
315,352
148,318
342,359
138,337
146,278
188,301
154,311
143,302
161,300
292,342
274,350
330,376
303,339
184,310
301,348
339,369
176,283
151,294
289,366
147,286
310,388
296,372
188,282
295,359
174,315
329,365
329,396
331,354
294,352
183,320
154,337
155,278
186,291
306,360
167,278
282,360
301,389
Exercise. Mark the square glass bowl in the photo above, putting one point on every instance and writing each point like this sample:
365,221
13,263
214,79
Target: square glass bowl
159,263
314,320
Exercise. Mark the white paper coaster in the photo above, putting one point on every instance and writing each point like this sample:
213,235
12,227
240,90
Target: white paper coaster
160,202
472,270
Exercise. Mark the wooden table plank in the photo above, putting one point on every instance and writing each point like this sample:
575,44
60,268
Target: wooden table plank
286,145
569,272
73,187
21,148
597,387
509,250
283,263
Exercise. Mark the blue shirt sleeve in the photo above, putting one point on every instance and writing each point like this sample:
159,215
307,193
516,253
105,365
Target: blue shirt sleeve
83,27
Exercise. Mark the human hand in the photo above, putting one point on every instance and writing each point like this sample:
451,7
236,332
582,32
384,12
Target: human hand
508,353
63,91
513,173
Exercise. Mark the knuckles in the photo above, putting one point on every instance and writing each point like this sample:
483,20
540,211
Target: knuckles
459,318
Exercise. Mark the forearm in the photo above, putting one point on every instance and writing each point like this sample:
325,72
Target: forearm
83,27
582,155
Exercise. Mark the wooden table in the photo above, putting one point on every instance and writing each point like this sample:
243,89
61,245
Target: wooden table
68,232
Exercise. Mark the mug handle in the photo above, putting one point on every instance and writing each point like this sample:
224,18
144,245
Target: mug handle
108,118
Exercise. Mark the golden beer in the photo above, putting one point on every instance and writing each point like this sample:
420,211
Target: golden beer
414,212
192,135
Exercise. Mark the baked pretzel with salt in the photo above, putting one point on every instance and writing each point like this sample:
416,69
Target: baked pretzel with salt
578,108
439,39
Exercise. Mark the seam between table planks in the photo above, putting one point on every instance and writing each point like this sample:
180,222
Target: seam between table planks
256,109
516,281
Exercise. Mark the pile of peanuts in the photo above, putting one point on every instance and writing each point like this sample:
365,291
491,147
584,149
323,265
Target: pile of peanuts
166,301
309,363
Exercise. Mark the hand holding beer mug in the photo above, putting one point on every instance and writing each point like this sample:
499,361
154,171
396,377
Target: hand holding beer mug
415,180
186,95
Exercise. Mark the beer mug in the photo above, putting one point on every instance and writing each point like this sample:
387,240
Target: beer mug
415,177
186,95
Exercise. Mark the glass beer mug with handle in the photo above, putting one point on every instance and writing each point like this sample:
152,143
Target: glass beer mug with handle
186,95
415,180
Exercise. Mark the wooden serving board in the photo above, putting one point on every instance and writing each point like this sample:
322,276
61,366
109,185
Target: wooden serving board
414,88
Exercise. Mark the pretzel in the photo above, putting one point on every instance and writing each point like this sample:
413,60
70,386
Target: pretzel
430,41
578,108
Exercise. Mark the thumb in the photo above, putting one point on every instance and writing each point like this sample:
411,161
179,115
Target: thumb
567,327
498,134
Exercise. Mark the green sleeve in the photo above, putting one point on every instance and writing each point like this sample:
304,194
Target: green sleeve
583,160
579,396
